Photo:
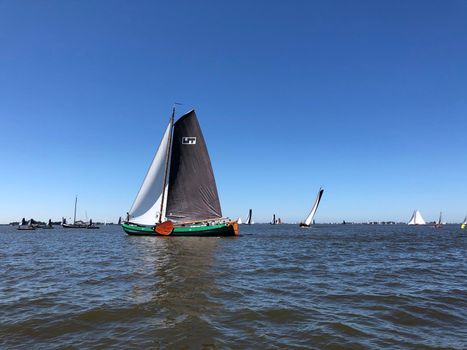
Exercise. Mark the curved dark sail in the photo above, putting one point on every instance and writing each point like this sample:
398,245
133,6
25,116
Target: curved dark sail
314,208
192,193
248,220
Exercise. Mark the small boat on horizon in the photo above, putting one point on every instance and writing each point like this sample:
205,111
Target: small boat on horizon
249,219
26,226
78,223
92,226
439,224
309,219
274,221
464,224
179,195
416,219
47,226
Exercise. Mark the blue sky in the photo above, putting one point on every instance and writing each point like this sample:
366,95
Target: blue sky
365,98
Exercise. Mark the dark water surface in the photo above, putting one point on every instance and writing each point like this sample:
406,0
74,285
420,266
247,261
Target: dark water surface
275,287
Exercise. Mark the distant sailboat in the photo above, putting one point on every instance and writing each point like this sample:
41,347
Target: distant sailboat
464,224
239,221
48,225
416,219
273,222
249,218
439,224
309,218
78,223
92,226
179,195
119,220
26,226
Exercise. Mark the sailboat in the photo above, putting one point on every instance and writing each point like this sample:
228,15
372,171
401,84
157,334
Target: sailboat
309,219
249,218
274,221
92,226
239,221
179,196
464,224
26,226
439,224
78,223
48,225
416,219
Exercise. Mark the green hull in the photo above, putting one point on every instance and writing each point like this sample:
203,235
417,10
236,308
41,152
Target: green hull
224,229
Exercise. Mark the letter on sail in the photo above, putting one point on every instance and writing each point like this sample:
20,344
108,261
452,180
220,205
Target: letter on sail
147,205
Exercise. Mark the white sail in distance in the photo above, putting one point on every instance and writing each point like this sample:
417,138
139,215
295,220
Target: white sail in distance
147,205
416,219
310,216
239,221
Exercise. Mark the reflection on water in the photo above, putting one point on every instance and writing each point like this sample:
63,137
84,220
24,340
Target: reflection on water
274,286
182,286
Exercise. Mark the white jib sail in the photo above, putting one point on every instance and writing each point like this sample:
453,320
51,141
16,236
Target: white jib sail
416,219
239,221
147,205
310,216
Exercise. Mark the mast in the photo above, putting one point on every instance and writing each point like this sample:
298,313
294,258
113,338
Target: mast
74,217
167,157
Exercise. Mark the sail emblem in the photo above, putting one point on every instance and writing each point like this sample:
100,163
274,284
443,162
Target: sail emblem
188,140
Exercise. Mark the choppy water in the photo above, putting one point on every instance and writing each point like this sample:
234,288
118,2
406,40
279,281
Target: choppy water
352,286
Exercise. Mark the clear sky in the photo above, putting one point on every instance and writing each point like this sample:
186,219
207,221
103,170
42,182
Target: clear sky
365,98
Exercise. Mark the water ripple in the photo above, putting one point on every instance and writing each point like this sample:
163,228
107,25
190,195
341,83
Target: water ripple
330,287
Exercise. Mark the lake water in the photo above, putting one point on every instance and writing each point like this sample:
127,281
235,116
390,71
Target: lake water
274,287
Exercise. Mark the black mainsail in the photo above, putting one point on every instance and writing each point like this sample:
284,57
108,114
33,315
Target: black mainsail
192,193
248,219
314,208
